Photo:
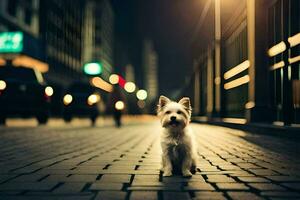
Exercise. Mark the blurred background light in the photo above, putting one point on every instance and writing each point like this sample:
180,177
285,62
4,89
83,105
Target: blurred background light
141,94
92,68
49,91
119,105
2,85
114,79
102,84
129,87
93,98
68,99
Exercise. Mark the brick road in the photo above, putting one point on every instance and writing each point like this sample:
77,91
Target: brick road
109,163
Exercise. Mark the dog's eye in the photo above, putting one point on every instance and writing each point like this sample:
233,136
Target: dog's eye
168,112
179,112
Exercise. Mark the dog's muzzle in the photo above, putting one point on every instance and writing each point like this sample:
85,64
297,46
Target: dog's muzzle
174,123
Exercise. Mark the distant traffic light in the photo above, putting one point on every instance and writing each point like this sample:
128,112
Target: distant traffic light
93,68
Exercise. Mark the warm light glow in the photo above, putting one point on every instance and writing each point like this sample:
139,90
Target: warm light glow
93,98
26,61
294,40
217,80
294,59
102,84
49,91
2,62
235,120
237,82
250,105
141,94
68,99
277,65
277,49
119,105
114,79
237,69
129,87
2,85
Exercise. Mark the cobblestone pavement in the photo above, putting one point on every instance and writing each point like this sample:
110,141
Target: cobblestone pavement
110,163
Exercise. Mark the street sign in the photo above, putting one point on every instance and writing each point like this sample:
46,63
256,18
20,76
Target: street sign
11,42
93,68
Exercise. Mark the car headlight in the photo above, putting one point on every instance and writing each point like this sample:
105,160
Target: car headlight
68,99
2,85
93,98
119,105
49,91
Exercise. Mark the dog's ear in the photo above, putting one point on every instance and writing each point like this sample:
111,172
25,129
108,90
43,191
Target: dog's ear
162,102
185,101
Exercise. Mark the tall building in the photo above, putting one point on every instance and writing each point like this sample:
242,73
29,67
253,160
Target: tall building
248,70
129,73
20,20
98,34
150,65
61,33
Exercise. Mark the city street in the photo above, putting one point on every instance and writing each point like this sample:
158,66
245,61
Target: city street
104,162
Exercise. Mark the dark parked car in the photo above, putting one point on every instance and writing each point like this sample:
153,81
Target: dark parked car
81,100
24,93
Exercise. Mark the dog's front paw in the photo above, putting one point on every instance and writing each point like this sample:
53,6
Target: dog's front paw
186,173
167,173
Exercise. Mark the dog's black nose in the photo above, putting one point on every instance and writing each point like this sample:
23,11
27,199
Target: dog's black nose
173,118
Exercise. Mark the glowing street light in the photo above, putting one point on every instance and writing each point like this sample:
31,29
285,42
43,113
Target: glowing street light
114,79
141,94
129,87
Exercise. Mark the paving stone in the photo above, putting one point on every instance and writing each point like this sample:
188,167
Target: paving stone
253,179
281,194
105,186
70,188
138,195
109,195
81,178
244,196
295,186
284,178
232,186
266,186
117,178
209,196
199,186
176,195
27,186
155,188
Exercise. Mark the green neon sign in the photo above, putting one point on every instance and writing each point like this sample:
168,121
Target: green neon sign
93,68
11,42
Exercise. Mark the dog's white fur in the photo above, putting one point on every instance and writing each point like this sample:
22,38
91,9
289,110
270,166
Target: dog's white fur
177,139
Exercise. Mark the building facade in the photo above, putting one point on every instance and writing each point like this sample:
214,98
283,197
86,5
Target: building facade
98,34
248,70
150,65
61,32
20,19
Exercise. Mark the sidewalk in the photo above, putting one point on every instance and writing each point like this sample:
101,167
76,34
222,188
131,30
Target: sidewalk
110,163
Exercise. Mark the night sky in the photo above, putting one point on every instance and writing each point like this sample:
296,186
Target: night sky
170,24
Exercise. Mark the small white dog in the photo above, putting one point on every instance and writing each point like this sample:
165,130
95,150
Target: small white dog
179,152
